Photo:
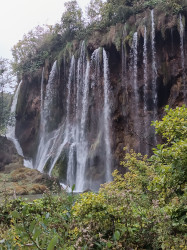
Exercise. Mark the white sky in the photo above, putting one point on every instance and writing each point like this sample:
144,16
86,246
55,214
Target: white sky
17,17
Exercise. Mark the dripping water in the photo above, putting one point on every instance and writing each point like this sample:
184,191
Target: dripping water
46,138
154,73
145,68
63,135
82,148
107,116
134,71
182,53
11,129
72,136
145,63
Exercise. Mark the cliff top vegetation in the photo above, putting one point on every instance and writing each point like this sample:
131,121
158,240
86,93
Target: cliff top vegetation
44,42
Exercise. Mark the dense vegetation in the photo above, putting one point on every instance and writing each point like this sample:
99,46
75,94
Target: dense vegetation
53,41
146,208
5,99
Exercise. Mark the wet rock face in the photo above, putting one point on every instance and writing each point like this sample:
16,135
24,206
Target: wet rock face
8,153
126,115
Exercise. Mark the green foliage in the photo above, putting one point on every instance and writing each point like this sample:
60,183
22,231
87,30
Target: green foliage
48,41
71,21
170,6
146,208
30,52
94,11
6,79
41,224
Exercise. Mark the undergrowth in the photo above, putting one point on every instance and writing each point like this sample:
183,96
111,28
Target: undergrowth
143,209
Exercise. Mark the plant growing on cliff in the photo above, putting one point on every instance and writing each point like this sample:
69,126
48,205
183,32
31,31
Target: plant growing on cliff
72,21
6,79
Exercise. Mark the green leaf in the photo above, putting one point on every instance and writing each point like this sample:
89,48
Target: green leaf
116,235
52,243
15,215
37,232
73,188
31,227
109,244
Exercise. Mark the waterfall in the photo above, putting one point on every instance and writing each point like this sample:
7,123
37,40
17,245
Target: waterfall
154,73
11,128
135,68
64,135
154,67
71,166
95,61
107,116
46,138
145,63
145,68
68,103
81,67
75,138
82,147
42,99
182,53
134,72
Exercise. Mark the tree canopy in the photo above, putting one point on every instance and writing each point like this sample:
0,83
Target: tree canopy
6,78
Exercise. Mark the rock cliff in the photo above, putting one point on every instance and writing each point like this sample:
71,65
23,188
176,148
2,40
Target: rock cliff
147,70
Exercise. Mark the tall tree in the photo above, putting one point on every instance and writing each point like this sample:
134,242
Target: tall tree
5,78
28,46
72,20
94,11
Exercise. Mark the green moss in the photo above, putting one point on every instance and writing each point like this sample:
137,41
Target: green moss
60,169
47,166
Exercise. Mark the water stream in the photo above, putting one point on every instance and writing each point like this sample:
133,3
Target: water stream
154,75
182,53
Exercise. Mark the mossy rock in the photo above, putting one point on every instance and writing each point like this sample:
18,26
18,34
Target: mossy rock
60,169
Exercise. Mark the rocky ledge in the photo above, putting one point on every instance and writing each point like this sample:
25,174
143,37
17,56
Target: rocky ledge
15,179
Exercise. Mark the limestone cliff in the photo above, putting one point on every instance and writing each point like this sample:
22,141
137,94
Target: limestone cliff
147,70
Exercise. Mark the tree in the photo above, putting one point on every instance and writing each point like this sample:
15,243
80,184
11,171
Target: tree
72,20
5,78
28,46
93,12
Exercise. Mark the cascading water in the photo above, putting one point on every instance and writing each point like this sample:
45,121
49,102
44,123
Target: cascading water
82,147
64,135
134,71
47,138
154,73
72,136
145,63
182,53
107,116
124,75
11,129
145,68
124,62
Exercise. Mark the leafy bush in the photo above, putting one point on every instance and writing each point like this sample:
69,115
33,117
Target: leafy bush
146,207
142,209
